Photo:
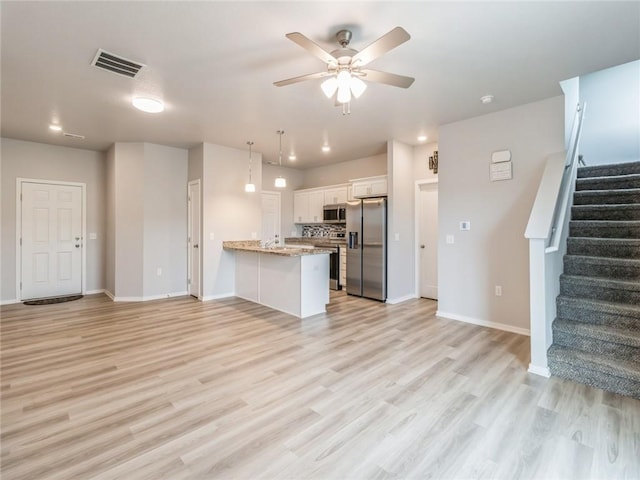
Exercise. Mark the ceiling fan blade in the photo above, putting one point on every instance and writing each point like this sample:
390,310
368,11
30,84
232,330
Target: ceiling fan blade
387,78
311,47
387,42
302,78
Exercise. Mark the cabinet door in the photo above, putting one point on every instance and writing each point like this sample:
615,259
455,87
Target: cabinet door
379,187
316,204
300,207
335,195
361,189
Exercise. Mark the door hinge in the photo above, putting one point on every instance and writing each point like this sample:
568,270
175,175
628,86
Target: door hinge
20,241
20,197
188,281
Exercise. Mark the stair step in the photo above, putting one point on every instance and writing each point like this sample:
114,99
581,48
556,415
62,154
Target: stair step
597,288
613,182
611,374
599,339
611,169
627,211
591,197
598,312
604,247
604,228
614,268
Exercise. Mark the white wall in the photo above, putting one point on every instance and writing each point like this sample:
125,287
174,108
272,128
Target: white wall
494,251
421,154
149,215
400,222
295,181
229,213
343,172
129,220
39,161
611,128
165,220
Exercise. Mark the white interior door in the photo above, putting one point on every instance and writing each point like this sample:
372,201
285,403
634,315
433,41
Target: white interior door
194,240
428,238
51,240
271,216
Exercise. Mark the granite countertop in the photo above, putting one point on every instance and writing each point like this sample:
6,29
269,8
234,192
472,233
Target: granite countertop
315,241
286,250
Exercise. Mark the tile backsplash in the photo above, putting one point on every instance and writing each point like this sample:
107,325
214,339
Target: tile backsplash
324,230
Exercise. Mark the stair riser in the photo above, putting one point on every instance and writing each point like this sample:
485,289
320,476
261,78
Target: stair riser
595,213
609,170
577,247
622,386
586,315
597,346
603,231
613,183
607,294
616,272
593,198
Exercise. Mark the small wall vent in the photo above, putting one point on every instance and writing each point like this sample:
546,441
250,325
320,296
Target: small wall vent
116,64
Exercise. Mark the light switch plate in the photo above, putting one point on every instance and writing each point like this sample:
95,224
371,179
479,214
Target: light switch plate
450,239
93,236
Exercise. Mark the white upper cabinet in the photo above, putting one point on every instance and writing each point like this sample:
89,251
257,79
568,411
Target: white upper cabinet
335,195
307,206
369,187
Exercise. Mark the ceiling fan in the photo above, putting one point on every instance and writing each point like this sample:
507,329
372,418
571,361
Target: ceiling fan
345,65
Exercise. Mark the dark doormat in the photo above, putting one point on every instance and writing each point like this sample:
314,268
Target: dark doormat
49,301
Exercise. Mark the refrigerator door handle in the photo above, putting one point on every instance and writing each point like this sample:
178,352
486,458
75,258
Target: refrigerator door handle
353,240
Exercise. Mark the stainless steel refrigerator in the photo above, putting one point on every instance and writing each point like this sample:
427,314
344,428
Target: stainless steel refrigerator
367,248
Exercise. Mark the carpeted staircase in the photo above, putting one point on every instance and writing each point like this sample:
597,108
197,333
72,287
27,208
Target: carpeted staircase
596,334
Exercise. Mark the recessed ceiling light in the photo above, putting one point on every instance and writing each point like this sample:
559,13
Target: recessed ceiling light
422,138
55,128
486,99
149,105
292,157
326,148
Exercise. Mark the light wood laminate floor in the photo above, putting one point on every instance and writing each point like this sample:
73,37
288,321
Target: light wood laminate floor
228,389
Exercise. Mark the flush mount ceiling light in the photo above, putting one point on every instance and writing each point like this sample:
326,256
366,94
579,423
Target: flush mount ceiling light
250,187
422,138
147,104
55,128
326,148
292,157
280,182
345,65
486,99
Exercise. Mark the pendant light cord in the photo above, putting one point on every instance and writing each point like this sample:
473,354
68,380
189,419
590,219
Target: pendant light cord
249,143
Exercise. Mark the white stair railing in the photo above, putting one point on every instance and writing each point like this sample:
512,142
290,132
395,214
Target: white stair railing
547,232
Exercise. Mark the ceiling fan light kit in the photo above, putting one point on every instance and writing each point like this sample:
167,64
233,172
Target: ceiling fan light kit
345,65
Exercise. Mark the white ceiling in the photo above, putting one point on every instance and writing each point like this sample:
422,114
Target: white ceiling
214,63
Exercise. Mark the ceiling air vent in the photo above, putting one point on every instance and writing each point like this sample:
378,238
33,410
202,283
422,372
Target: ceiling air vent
116,64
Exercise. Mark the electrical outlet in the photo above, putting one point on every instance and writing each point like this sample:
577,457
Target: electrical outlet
211,236
158,271
498,290
254,235
450,239
397,237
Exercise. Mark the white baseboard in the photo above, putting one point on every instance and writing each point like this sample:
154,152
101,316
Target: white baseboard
483,323
9,302
94,292
542,371
206,298
393,301
147,298
110,295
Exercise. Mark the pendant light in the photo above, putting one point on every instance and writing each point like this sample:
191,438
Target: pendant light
250,187
280,182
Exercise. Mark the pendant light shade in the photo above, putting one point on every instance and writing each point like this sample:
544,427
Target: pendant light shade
280,182
250,187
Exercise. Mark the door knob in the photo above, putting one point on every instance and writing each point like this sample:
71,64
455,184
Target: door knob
195,245
421,246
77,245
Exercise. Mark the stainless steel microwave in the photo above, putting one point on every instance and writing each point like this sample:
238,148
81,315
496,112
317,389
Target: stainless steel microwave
335,213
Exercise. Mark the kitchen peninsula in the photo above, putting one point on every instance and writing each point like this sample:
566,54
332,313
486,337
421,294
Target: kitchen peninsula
291,279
